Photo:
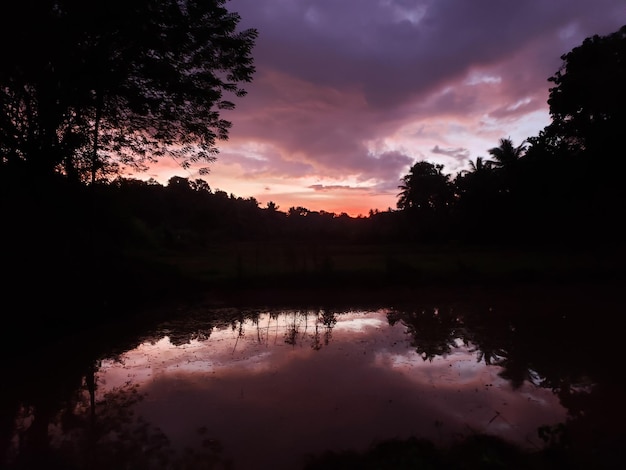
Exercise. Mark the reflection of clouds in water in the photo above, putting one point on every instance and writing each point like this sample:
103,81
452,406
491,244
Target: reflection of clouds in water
359,324
225,348
254,390
137,365
460,365
259,346
461,389
368,382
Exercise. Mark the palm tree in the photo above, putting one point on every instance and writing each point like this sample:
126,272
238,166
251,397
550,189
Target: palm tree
506,154
425,188
481,165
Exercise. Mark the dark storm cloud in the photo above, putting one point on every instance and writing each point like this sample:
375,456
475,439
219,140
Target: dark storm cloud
395,49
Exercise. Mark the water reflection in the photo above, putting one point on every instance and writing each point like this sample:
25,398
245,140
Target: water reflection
265,382
265,388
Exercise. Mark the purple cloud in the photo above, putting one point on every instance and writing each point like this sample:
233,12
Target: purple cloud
392,50
352,92
458,153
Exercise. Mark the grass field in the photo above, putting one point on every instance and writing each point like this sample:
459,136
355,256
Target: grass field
267,262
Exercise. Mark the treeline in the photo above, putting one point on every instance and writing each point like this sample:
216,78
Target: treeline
188,213
533,193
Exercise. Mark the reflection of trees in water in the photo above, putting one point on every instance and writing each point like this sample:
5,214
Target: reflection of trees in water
326,320
198,325
488,345
102,434
557,348
433,331
497,340
314,325
323,322
51,419
36,389
570,348
295,326
522,349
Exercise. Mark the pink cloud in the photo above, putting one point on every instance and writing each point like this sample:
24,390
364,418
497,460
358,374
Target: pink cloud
351,93
330,188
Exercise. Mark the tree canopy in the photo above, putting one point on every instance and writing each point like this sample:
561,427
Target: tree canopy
86,86
506,154
588,100
424,188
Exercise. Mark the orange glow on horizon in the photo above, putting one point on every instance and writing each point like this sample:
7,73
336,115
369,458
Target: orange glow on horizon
352,201
351,205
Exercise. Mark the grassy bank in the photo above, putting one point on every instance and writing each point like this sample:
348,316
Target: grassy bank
274,264
112,288
269,273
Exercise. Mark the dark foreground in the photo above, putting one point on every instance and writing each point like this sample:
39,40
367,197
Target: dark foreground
562,336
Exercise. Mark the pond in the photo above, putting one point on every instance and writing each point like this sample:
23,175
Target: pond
289,388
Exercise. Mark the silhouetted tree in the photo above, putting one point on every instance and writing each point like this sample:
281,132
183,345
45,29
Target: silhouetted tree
116,81
425,188
481,165
477,203
506,154
588,109
506,161
425,198
588,101
272,207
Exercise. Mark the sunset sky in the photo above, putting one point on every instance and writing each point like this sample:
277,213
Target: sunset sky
348,94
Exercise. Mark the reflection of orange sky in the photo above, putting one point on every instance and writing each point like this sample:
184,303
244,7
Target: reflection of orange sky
259,395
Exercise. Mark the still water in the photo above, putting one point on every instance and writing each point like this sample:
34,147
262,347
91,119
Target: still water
274,388
290,383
